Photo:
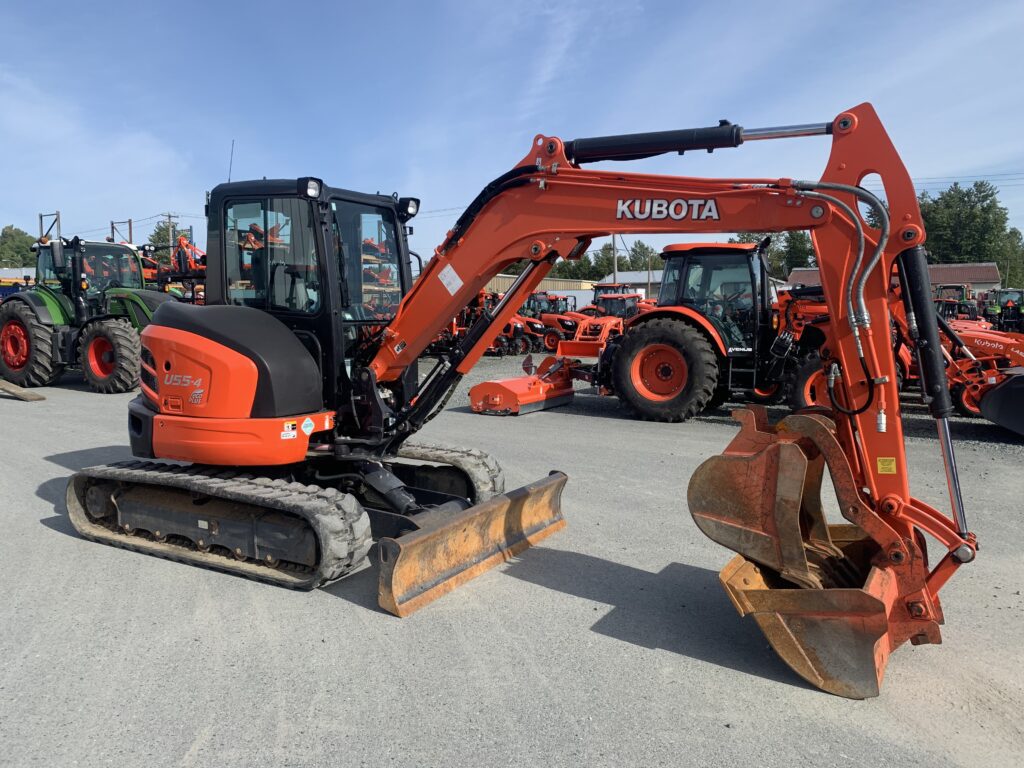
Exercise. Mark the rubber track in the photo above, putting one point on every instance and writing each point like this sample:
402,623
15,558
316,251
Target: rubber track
482,469
339,522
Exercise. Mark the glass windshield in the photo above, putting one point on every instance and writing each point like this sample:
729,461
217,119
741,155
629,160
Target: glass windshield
271,255
368,257
602,290
618,306
721,288
1014,296
110,266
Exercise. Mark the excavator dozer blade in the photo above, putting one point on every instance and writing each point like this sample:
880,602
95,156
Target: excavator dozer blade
1004,403
418,567
812,587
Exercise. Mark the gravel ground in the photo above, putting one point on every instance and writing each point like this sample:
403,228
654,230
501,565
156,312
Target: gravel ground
610,644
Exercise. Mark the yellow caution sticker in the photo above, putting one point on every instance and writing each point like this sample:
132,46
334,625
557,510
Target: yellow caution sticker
887,465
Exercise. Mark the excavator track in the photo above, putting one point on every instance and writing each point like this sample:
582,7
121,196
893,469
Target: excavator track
333,525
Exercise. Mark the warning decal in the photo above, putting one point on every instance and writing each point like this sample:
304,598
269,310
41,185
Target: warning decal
450,279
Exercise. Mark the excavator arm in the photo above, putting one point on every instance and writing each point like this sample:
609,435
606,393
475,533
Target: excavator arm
869,580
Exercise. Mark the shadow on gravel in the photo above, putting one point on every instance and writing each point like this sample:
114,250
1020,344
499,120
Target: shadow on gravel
52,490
360,588
682,609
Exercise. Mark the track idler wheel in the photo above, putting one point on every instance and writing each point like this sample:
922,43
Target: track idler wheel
831,599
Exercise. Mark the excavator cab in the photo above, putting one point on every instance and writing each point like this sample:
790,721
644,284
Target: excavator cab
315,273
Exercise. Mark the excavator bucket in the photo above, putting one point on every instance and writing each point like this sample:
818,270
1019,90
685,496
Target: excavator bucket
813,588
421,566
550,387
1003,403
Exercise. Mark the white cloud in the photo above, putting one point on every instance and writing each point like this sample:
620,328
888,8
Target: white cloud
93,165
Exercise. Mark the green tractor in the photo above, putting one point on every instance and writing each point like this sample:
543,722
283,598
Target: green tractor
85,310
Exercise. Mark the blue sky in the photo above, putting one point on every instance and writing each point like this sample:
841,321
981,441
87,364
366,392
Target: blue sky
117,110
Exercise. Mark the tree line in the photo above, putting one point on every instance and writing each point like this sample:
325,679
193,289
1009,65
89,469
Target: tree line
964,224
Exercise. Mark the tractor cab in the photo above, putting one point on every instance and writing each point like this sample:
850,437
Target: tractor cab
724,282
618,305
85,275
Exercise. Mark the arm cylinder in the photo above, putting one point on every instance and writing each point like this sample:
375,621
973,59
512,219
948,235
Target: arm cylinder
913,270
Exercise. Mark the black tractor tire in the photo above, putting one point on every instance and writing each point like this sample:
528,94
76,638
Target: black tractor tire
536,344
520,345
804,383
109,353
648,379
26,347
718,399
551,339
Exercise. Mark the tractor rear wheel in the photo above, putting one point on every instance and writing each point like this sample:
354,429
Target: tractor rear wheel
26,347
665,370
808,387
109,352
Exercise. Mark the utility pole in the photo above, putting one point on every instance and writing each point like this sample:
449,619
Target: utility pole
615,261
114,230
170,233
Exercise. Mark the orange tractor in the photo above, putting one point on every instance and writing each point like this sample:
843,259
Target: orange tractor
557,313
287,422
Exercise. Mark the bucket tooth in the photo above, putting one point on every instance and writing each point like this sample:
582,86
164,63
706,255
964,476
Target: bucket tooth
418,567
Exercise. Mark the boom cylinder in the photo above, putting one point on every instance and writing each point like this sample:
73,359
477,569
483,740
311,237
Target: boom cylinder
635,146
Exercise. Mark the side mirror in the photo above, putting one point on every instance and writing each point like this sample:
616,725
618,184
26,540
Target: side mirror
57,254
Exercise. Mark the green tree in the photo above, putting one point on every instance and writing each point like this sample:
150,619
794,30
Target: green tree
797,251
16,247
967,224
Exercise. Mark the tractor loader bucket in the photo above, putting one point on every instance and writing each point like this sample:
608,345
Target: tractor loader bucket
420,566
550,387
814,589
1004,403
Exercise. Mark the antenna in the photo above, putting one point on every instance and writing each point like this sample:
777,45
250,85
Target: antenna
231,160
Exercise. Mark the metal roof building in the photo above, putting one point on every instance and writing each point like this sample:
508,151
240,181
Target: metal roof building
981,276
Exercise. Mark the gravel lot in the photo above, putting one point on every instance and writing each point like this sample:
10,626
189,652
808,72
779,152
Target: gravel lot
610,644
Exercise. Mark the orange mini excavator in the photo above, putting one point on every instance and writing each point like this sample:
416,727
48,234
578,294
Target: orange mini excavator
293,405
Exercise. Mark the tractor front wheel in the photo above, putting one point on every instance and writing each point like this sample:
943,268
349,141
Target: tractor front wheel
964,402
26,347
109,352
551,339
808,387
665,370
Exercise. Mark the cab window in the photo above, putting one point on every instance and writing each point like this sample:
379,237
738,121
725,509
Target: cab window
272,262
368,257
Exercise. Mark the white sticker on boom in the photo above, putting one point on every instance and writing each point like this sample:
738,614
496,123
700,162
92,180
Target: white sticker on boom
450,279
